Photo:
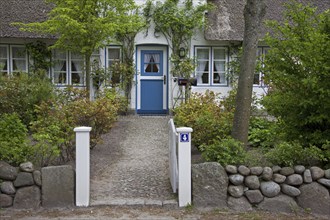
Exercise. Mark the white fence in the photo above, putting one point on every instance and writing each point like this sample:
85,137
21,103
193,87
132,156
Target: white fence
180,162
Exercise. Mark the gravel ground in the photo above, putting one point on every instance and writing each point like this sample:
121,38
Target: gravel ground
131,165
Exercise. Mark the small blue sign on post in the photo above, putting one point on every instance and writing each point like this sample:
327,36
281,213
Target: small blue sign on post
184,137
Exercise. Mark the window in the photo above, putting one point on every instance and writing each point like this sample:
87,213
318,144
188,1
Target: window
211,65
258,76
68,68
13,59
113,57
18,59
4,60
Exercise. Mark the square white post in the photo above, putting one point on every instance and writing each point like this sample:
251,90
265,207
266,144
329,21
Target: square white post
82,165
184,165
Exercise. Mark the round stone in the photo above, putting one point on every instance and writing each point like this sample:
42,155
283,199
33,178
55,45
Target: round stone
24,179
276,169
324,182
8,188
278,178
270,189
267,173
327,173
236,179
290,190
299,169
26,167
236,191
254,196
243,170
252,182
256,170
294,180
5,201
317,173
307,176
231,169
287,171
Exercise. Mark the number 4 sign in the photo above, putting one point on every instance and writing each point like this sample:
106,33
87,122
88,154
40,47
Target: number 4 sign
184,137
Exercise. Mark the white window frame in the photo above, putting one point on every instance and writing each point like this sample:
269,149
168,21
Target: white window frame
261,52
211,67
5,72
12,59
68,73
107,60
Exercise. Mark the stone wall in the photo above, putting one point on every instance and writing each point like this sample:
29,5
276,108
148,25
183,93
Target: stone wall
24,187
278,189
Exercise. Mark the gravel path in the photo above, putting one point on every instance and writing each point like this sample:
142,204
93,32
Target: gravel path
131,166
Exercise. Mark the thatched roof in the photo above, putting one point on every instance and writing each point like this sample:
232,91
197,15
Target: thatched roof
25,11
226,22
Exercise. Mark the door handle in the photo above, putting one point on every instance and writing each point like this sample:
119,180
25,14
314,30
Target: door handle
164,79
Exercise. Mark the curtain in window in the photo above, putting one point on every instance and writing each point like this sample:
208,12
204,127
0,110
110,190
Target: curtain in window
151,63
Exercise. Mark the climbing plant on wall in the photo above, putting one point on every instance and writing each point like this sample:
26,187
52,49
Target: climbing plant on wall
177,21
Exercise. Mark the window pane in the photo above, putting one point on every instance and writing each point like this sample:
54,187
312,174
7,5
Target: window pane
219,54
60,78
59,55
3,52
219,66
203,54
114,53
76,56
256,79
60,65
151,63
18,52
19,65
3,65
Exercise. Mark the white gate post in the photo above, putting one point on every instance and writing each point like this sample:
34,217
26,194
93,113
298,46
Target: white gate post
82,165
184,165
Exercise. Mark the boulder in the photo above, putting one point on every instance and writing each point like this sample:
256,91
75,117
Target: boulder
294,180
236,191
287,171
5,201
317,173
37,177
236,179
267,173
231,169
307,176
239,204
315,197
254,196
252,182
276,169
24,179
325,182
26,167
58,186
243,170
256,170
290,190
327,173
27,198
299,169
279,178
270,189
281,203
7,172
8,188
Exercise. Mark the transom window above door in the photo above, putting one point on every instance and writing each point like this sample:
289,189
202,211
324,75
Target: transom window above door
211,65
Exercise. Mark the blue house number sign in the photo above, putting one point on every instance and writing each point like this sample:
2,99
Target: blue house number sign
184,137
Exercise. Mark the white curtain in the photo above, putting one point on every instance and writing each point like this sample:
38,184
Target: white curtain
151,59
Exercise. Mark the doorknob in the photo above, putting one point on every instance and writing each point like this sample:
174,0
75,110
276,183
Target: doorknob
164,79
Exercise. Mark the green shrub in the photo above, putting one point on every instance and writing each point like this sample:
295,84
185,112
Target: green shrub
56,119
262,132
13,140
20,94
224,151
206,115
293,153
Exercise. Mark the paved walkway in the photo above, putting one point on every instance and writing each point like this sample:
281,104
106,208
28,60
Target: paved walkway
131,166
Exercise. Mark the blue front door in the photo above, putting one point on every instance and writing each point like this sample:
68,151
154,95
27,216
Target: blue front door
152,83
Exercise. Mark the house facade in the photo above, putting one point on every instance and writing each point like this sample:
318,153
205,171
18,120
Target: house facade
155,90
